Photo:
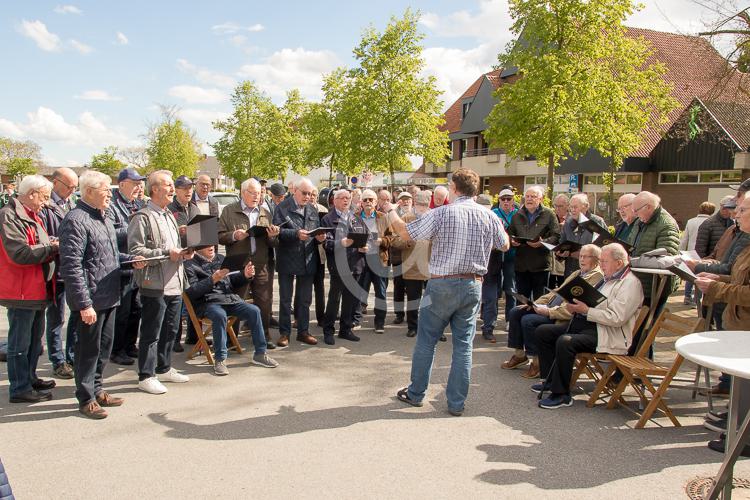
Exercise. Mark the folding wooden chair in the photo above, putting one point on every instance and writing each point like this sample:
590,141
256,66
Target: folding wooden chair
639,372
203,327
591,363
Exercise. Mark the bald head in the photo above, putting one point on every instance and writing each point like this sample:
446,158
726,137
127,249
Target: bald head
64,182
203,186
439,196
645,204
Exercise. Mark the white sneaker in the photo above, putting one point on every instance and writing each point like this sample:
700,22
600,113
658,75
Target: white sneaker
174,376
152,386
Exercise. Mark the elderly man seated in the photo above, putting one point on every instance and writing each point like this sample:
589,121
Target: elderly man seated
523,320
608,327
212,294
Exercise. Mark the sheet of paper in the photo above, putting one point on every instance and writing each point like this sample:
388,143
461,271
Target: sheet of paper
689,255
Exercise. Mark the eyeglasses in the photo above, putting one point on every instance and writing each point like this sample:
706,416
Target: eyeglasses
368,199
636,210
587,256
622,208
506,198
305,193
44,197
65,184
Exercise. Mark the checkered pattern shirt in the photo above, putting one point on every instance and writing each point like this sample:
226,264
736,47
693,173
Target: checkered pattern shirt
463,235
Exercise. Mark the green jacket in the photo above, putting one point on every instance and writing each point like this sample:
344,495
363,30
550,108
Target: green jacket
661,231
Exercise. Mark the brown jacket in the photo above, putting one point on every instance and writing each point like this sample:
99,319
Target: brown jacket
735,291
384,233
415,255
233,218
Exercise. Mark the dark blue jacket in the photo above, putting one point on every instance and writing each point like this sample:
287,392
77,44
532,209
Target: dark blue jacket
89,259
355,260
119,213
52,216
292,255
6,493
203,291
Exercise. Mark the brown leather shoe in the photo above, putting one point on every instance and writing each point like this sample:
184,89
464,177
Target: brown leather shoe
716,390
283,341
93,410
106,399
533,371
514,362
306,338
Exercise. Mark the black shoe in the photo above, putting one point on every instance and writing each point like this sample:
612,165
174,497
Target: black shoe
443,338
411,333
329,339
177,347
270,345
720,444
122,359
31,397
399,319
349,336
274,323
43,385
132,352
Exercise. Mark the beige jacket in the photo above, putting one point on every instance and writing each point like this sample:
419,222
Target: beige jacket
735,291
615,317
415,255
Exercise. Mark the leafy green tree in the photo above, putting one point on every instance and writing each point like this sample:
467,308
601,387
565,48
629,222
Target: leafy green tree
19,158
172,146
106,162
391,112
247,146
326,127
289,144
583,83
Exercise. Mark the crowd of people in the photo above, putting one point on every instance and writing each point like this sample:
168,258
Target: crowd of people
115,255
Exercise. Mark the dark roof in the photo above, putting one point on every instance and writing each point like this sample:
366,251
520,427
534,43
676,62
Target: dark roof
734,118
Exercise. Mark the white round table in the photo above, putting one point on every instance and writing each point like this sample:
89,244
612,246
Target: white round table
729,352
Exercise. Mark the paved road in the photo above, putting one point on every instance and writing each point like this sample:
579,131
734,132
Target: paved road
326,424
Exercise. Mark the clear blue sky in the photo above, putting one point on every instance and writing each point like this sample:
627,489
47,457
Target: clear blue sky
82,75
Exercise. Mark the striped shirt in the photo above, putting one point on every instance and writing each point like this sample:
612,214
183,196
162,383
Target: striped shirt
463,234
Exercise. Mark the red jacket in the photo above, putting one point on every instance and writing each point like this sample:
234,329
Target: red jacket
26,259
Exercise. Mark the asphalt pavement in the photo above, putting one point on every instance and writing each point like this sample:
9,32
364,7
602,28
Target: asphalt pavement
326,424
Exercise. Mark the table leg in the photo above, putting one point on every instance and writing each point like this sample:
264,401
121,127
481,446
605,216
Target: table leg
735,443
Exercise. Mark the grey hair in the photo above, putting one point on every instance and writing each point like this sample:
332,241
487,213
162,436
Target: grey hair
653,199
563,196
153,177
303,180
33,183
246,184
369,192
582,198
628,197
617,251
92,179
441,189
595,250
340,192
536,188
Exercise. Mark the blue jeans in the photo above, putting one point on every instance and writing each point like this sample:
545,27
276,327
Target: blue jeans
55,319
247,313
688,290
446,302
491,286
521,325
25,331
377,275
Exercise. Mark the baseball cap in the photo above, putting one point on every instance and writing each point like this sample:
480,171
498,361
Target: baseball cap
129,174
484,199
405,194
183,181
744,186
277,189
506,192
728,201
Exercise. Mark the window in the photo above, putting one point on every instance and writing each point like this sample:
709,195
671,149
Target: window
706,177
465,109
634,179
593,179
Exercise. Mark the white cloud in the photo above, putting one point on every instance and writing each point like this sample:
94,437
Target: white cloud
292,68
8,128
198,95
202,118
68,9
45,124
37,31
491,23
122,39
206,76
81,47
97,95
230,28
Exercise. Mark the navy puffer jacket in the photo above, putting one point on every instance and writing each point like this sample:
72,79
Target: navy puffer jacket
89,259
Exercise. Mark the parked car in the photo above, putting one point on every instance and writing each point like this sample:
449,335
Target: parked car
224,198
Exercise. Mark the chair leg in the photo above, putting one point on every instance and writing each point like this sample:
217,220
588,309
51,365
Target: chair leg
657,401
601,385
202,345
617,393
579,368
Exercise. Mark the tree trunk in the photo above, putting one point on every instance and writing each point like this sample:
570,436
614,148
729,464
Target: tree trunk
330,170
393,180
611,210
550,176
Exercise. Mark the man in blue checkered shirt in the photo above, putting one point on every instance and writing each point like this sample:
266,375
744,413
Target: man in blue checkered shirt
463,234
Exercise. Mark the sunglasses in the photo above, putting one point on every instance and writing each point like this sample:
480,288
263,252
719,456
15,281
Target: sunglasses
506,198
368,199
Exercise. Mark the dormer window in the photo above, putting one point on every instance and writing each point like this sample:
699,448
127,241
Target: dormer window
465,109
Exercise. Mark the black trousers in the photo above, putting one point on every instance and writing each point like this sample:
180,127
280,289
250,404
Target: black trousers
93,347
558,346
301,286
128,317
157,334
340,294
414,295
320,293
399,290
531,284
